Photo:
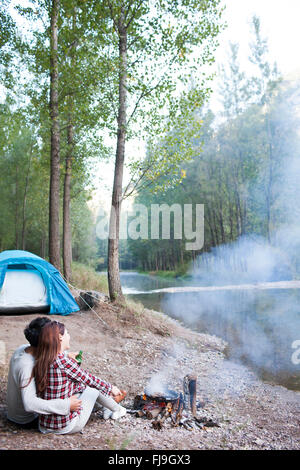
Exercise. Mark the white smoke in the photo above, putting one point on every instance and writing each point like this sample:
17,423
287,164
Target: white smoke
261,325
166,377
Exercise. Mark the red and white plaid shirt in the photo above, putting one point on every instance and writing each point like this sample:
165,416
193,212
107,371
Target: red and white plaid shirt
66,378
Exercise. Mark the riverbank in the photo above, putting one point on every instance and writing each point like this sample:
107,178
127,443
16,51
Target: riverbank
129,351
179,275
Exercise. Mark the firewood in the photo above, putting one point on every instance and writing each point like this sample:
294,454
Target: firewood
189,389
179,411
133,412
186,391
208,423
186,423
158,422
192,384
199,425
151,414
140,413
211,424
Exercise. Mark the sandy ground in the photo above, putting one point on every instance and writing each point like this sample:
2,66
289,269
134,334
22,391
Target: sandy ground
134,349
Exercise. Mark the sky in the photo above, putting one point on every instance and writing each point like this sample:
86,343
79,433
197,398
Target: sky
279,24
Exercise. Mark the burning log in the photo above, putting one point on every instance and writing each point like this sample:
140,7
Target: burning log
154,401
179,411
151,414
158,422
180,408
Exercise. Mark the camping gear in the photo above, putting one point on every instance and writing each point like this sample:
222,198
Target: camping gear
30,284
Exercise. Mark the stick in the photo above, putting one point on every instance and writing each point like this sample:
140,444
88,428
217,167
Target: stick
157,424
186,392
179,411
192,381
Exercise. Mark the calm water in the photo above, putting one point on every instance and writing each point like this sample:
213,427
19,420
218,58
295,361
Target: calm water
260,326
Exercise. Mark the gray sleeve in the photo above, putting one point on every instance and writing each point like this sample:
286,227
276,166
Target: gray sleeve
32,403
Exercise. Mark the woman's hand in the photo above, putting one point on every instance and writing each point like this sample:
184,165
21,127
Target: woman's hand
115,391
75,403
72,354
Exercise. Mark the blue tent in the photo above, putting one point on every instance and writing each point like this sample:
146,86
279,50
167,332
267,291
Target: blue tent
16,263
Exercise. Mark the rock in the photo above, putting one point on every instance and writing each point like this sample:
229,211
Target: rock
259,442
90,299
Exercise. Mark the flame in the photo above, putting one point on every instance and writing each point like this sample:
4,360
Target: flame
144,397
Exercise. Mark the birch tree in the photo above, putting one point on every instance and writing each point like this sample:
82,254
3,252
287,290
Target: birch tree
154,45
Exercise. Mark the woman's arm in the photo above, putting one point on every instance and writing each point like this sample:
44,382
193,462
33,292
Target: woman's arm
75,373
33,404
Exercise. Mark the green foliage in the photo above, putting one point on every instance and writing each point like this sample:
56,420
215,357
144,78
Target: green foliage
237,168
84,277
167,42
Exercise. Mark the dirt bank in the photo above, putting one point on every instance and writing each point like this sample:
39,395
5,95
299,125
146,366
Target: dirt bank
129,352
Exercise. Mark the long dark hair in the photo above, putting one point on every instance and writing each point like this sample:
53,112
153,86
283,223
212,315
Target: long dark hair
47,351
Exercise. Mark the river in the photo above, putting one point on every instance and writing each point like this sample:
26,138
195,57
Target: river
260,322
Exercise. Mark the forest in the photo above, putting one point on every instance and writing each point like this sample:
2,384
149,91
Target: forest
80,80
244,168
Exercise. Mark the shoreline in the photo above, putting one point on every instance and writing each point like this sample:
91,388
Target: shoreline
129,353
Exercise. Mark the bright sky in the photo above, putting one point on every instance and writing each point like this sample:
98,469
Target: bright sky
279,24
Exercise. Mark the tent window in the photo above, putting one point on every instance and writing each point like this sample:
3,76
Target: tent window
21,267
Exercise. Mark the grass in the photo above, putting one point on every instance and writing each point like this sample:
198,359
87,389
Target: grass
86,278
179,274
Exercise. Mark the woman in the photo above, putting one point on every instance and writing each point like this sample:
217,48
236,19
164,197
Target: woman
58,376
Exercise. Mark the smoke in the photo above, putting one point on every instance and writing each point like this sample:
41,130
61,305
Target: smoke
260,325
166,377
248,260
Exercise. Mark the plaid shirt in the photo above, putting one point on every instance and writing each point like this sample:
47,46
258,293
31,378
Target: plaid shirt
66,378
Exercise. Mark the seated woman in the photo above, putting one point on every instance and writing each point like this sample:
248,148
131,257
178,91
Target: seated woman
57,376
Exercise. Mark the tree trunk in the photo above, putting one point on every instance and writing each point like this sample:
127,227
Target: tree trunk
54,200
17,209
114,283
25,200
67,231
270,178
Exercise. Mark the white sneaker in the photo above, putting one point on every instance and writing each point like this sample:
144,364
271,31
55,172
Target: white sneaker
107,413
118,414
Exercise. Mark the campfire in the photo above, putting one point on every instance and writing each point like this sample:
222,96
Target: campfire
179,409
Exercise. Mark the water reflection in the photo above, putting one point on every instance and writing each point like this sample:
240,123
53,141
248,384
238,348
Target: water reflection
259,325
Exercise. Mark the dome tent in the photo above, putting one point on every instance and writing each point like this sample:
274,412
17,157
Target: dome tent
28,283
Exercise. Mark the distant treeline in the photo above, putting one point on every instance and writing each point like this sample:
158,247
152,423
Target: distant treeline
246,170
